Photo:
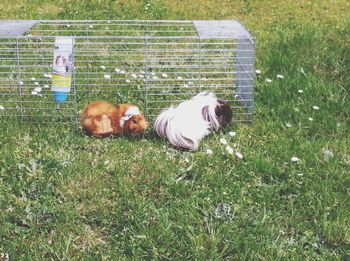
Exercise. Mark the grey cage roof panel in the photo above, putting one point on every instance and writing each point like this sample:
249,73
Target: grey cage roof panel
15,28
221,29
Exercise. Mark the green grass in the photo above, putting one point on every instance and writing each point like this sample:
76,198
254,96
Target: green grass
67,196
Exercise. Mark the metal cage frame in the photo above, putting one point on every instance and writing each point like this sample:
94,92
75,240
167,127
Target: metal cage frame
151,63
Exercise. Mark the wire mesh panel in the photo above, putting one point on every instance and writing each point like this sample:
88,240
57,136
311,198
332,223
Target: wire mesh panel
153,64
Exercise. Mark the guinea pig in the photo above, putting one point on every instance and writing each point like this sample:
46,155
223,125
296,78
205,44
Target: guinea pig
189,122
103,119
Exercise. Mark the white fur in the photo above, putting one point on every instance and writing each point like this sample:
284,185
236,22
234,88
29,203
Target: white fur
129,113
184,126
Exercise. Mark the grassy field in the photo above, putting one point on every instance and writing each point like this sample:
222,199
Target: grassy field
65,196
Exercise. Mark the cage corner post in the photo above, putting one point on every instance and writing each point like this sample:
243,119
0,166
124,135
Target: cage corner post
245,74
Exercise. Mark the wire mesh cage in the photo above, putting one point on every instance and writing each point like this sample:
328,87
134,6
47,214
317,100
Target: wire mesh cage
152,64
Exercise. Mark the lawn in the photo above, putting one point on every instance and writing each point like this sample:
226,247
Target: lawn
66,196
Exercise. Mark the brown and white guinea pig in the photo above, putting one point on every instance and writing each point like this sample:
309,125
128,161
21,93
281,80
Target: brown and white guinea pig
102,119
188,123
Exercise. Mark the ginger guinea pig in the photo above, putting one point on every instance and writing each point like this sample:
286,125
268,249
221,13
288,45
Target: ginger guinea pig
102,119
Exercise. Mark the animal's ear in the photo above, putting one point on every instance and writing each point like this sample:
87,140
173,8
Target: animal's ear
223,112
205,113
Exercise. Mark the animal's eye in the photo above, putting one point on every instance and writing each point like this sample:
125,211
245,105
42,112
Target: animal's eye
134,121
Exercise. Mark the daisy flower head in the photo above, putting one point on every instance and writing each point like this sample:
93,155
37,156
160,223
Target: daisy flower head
223,141
239,155
229,149
232,133
209,152
295,159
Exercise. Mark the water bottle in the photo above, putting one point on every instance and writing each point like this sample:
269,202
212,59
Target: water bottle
62,68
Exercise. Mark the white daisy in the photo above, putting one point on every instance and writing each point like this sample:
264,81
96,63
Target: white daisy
223,141
258,71
289,125
21,83
153,73
239,155
179,78
315,107
232,133
311,119
107,76
33,78
134,75
229,149
295,159
68,25
327,154
190,83
128,81
268,80
117,70
36,83
209,151
143,72
300,91
34,93
185,85
46,86
279,76
164,75
122,72
91,26
2,108
37,89
103,67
